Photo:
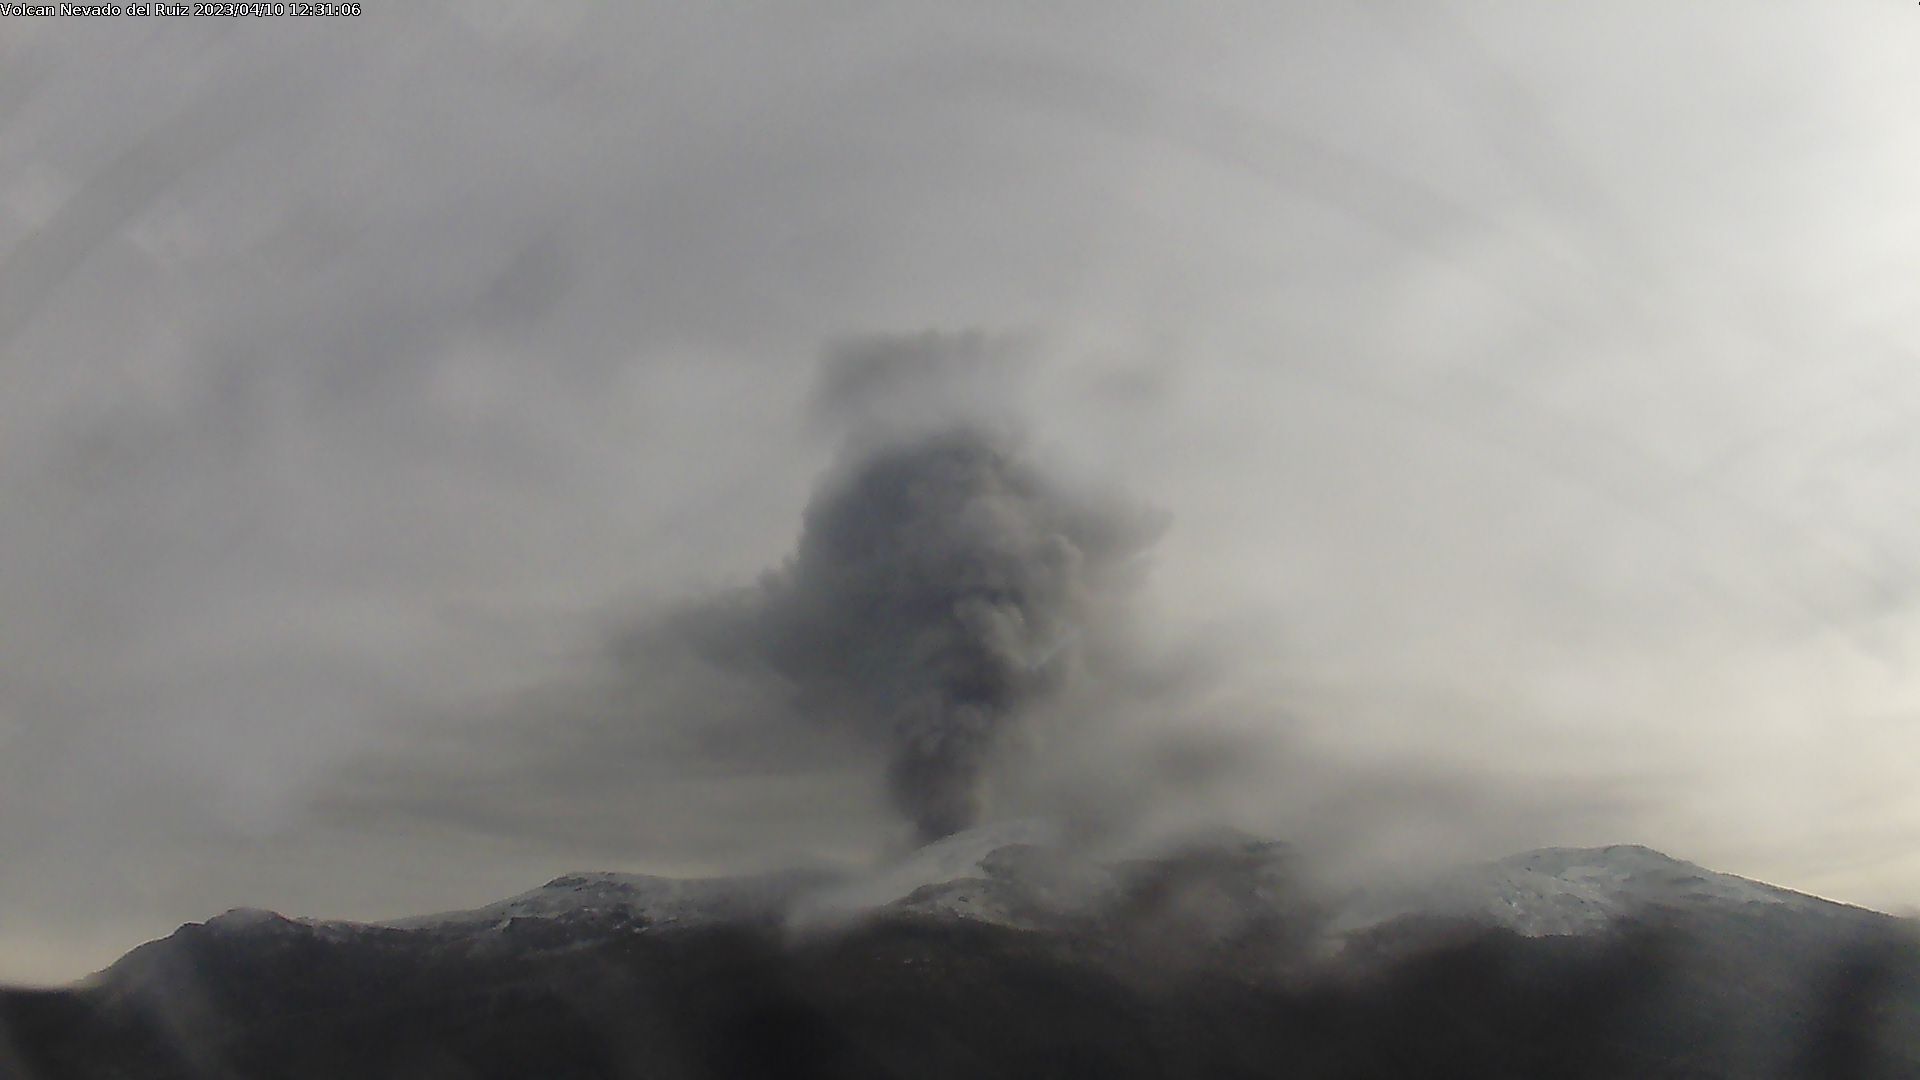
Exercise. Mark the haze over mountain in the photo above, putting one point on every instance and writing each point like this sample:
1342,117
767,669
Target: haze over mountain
1010,950
467,443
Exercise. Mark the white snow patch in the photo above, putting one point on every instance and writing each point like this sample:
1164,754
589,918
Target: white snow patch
959,857
1563,891
260,920
637,898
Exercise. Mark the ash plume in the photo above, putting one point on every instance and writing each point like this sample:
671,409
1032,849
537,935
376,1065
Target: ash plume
939,589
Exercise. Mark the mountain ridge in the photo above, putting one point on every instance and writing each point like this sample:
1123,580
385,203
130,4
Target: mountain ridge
1016,952
1551,891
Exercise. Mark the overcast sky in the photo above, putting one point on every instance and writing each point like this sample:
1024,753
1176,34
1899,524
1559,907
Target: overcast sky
1527,391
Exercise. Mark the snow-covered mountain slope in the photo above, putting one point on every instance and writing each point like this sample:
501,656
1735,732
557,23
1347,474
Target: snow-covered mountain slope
1560,891
1030,875
640,901
1027,875
955,876
958,857
259,922
1023,874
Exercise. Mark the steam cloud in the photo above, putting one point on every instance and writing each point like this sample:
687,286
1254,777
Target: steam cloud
941,586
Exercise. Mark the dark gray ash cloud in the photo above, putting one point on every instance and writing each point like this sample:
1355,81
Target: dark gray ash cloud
937,592
941,582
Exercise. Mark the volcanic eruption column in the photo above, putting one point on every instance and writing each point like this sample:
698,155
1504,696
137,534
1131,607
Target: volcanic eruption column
939,589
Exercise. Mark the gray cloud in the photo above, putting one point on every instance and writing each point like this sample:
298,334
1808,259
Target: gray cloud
939,587
942,589
1531,394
